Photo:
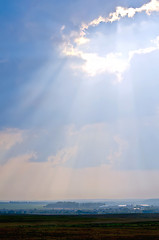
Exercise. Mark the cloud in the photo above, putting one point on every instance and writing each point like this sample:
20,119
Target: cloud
112,63
116,156
90,145
20,142
9,138
90,164
145,50
94,64
62,156
152,6
117,144
81,40
115,63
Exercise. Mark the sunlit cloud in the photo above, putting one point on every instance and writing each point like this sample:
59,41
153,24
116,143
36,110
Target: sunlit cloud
152,6
81,40
114,62
94,64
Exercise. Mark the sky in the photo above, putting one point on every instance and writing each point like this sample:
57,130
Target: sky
79,102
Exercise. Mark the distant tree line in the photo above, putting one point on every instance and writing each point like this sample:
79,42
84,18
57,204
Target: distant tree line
74,205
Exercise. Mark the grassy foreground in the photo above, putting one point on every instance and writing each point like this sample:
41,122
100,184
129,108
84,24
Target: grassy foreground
121,226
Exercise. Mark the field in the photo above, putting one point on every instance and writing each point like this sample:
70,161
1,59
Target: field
121,226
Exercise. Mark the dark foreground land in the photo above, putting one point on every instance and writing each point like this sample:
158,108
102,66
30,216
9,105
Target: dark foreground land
120,226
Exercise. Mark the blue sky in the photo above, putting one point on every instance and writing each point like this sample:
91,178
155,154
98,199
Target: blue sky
79,99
